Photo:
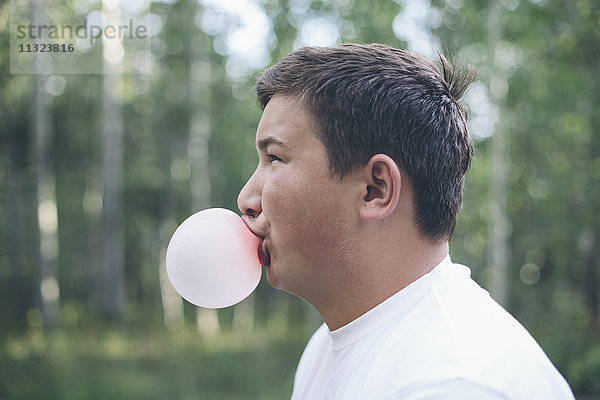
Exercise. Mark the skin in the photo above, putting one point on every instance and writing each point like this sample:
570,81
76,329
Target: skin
343,245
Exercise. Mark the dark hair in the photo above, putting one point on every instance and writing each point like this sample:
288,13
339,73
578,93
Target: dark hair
370,99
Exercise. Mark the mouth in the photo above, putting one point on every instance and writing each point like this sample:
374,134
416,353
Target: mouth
263,254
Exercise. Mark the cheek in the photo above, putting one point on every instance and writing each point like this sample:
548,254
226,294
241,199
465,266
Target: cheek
283,200
292,206
301,212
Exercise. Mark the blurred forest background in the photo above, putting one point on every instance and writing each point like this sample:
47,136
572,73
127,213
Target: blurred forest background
96,172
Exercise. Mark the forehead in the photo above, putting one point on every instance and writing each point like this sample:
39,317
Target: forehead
285,121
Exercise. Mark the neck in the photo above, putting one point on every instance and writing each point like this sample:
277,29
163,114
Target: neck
374,274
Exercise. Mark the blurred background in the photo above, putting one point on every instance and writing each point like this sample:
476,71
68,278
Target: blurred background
97,171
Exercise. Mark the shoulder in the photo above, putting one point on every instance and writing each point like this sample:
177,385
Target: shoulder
319,340
448,389
312,372
318,345
491,349
466,389
458,337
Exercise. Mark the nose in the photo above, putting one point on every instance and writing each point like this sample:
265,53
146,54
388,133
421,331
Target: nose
249,200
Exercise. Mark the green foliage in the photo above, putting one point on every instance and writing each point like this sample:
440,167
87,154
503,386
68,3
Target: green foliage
87,365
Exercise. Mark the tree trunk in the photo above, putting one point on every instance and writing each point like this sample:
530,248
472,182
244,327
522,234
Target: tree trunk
499,252
207,320
47,215
113,266
12,243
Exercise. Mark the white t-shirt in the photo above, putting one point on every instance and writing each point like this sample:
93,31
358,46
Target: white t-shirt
441,337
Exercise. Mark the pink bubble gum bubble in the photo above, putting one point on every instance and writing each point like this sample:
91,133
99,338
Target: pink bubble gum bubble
212,259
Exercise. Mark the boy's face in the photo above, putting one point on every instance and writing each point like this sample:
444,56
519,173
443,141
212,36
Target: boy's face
304,214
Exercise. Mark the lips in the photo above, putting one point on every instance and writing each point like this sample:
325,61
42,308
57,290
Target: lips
263,255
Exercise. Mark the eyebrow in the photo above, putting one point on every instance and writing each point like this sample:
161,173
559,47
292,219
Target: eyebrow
270,141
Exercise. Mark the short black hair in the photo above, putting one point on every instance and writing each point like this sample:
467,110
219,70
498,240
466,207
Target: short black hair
371,99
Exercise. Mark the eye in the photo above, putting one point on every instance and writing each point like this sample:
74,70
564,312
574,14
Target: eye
273,158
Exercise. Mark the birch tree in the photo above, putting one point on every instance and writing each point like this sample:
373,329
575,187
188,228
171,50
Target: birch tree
47,215
113,264
499,251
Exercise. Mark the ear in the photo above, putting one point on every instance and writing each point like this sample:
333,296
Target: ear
382,187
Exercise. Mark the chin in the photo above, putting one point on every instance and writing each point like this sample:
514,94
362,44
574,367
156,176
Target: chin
277,281
272,276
